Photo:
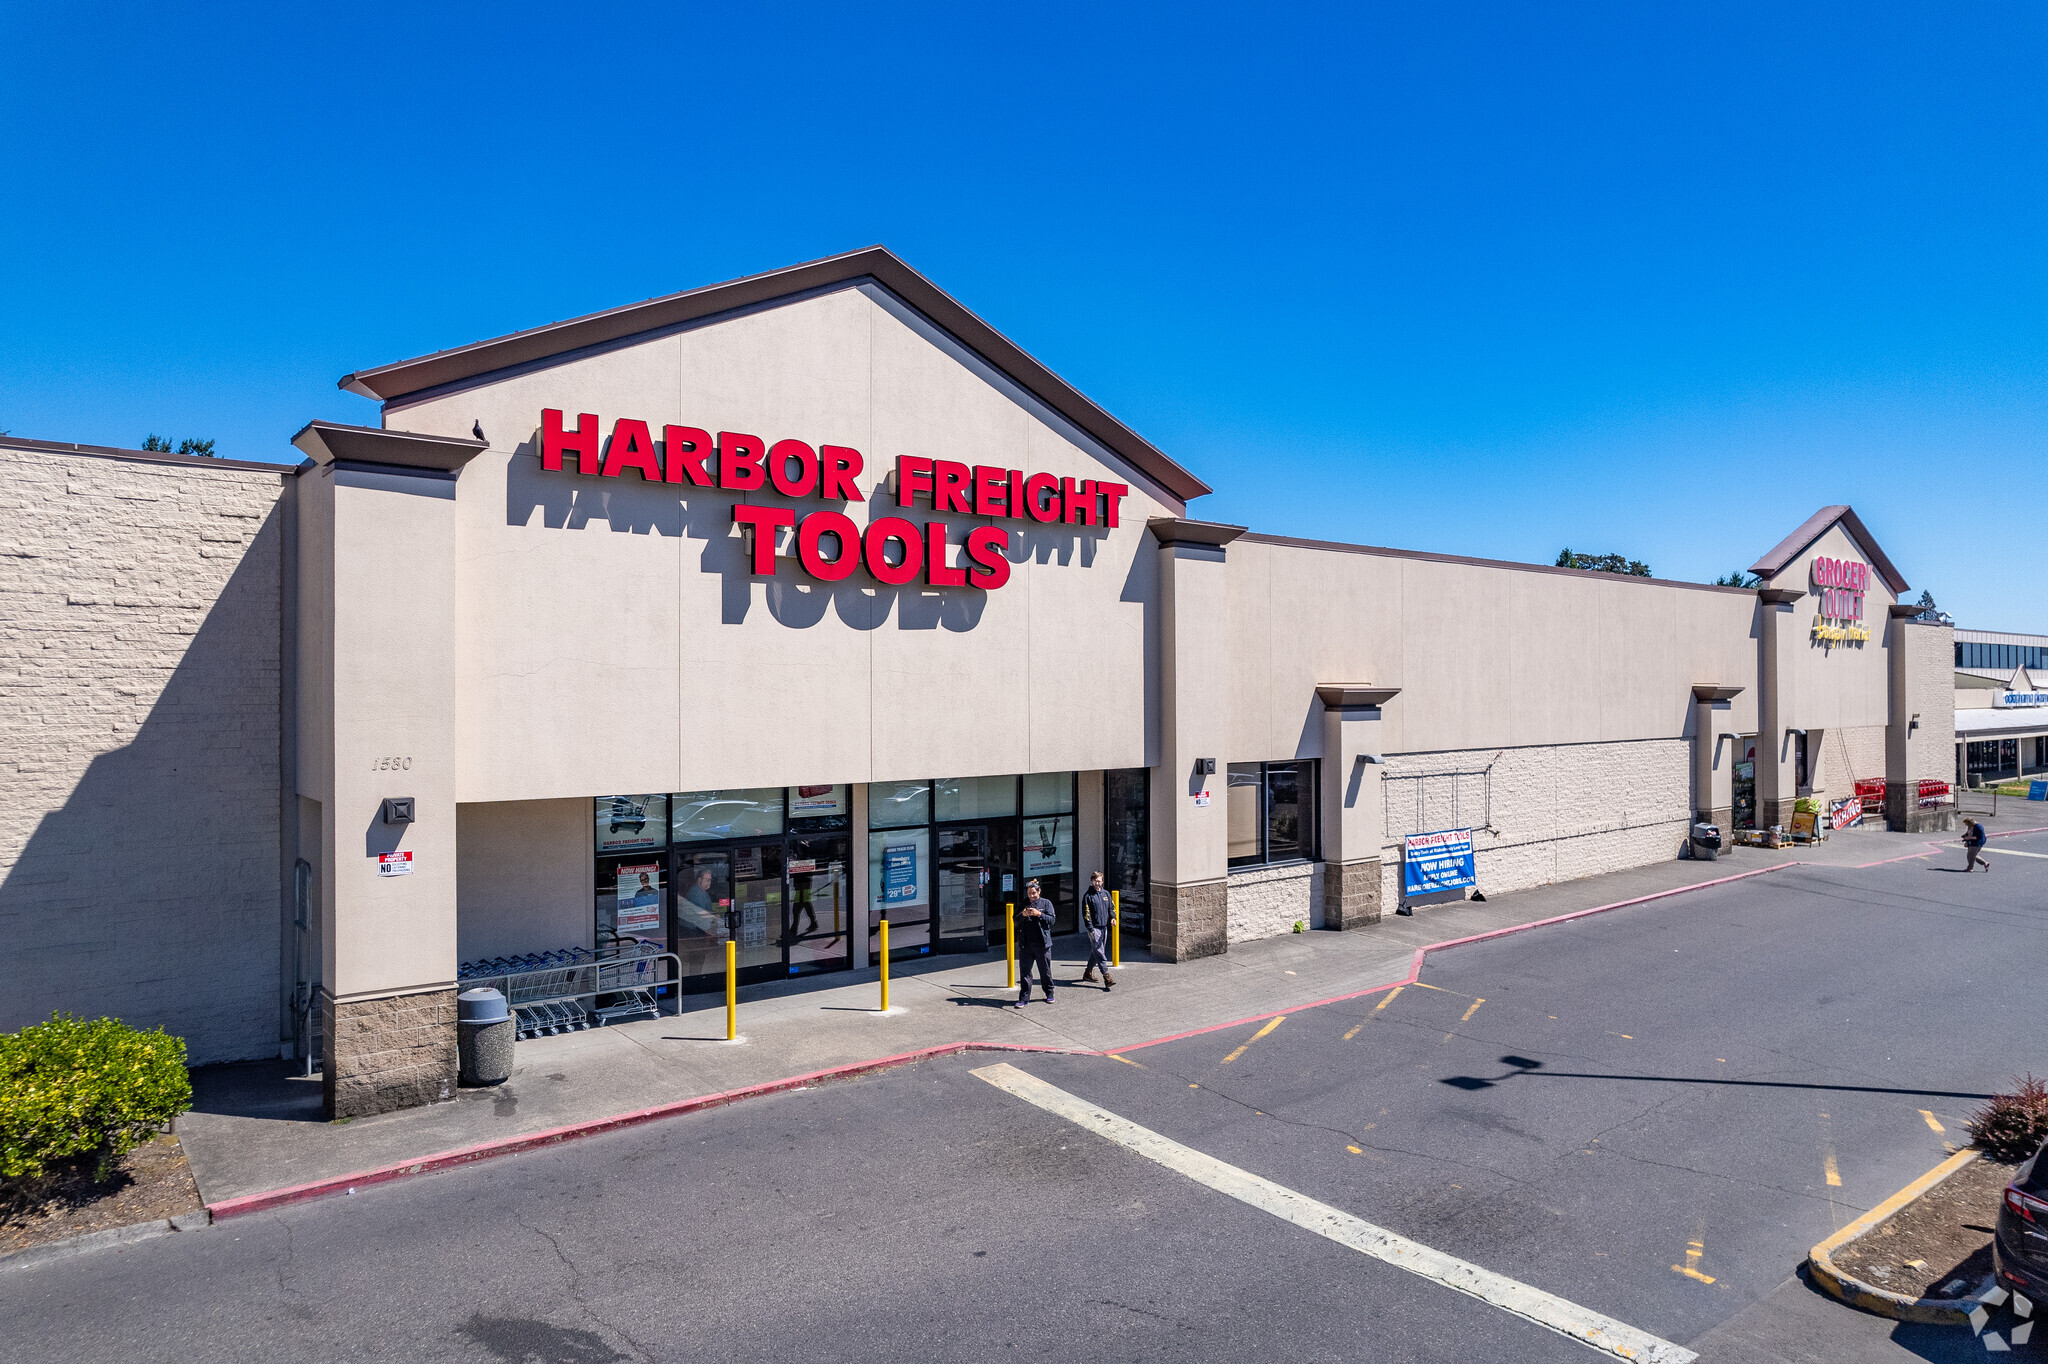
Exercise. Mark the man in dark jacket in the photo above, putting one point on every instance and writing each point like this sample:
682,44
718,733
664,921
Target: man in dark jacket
1097,909
1974,839
1034,943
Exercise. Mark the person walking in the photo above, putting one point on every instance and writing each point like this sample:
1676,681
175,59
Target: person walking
1096,911
1974,839
1034,943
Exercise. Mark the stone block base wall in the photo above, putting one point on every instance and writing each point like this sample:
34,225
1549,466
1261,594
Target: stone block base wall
1351,894
1542,814
1268,901
1190,921
384,1054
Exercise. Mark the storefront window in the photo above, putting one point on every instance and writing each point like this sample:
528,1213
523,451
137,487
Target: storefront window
631,904
974,797
628,822
1271,813
819,802
1246,797
1049,793
1125,826
1048,845
1290,810
899,887
894,804
703,816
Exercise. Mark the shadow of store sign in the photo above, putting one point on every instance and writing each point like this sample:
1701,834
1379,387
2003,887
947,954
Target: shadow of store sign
892,548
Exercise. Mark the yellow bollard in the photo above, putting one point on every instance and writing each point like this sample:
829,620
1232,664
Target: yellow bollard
1010,940
1116,928
732,991
885,966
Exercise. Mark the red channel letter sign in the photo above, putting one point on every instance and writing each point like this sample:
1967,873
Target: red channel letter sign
893,549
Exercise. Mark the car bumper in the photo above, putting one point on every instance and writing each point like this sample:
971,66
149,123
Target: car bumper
2017,1274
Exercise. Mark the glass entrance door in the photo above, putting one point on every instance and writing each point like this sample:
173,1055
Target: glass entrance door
817,930
730,895
1006,881
1743,786
963,870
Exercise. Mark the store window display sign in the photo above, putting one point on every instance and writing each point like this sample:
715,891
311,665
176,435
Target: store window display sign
1840,585
829,546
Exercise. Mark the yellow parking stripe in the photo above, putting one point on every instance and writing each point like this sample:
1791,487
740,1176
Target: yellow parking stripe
1255,1037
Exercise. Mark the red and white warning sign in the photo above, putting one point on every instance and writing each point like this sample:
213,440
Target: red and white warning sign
394,864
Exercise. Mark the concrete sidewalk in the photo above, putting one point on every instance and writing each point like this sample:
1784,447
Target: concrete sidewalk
255,1127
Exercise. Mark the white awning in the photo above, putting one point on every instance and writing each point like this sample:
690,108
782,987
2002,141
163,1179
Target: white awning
2001,724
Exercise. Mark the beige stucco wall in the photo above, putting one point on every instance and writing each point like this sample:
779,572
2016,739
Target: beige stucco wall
610,636
523,877
1829,685
139,746
378,555
1483,654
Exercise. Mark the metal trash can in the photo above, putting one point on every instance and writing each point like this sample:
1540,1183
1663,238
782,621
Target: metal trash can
1706,842
484,1030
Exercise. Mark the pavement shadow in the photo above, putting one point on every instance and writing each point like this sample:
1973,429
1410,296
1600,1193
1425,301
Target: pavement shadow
1522,1067
258,1089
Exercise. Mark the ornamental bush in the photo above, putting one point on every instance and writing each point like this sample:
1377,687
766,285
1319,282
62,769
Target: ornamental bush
73,1087
2012,1126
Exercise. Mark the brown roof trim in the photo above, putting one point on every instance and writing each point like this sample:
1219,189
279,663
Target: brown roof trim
328,442
58,447
1817,525
393,381
1170,530
1382,551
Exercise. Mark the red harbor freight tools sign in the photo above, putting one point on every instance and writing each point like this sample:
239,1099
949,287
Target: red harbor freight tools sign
742,463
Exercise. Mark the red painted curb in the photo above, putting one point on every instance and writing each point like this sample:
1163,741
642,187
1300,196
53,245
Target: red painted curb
554,1136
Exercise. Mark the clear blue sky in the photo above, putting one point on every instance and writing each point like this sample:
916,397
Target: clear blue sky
1654,279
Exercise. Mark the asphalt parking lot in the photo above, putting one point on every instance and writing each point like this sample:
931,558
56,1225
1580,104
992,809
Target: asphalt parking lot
1650,1113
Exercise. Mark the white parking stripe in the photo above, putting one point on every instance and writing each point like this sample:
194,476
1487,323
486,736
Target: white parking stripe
1601,1332
2012,852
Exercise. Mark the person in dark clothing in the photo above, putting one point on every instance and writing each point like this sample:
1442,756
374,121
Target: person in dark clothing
1097,909
1974,839
1034,943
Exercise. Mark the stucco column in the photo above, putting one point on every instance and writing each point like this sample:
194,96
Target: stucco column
1713,762
1777,704
1352,814
377,750
1189,829
1920,726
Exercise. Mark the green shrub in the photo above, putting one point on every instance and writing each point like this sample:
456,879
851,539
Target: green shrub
2012,1126
72,1087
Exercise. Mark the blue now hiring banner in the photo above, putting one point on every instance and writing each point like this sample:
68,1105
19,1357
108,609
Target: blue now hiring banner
1438,861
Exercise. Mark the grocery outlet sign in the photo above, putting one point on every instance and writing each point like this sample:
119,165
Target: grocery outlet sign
894,549
1840,585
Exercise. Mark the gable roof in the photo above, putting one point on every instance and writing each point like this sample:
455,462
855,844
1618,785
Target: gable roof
1817,525
404,377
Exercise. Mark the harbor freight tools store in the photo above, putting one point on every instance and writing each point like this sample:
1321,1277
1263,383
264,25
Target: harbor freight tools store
757,614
